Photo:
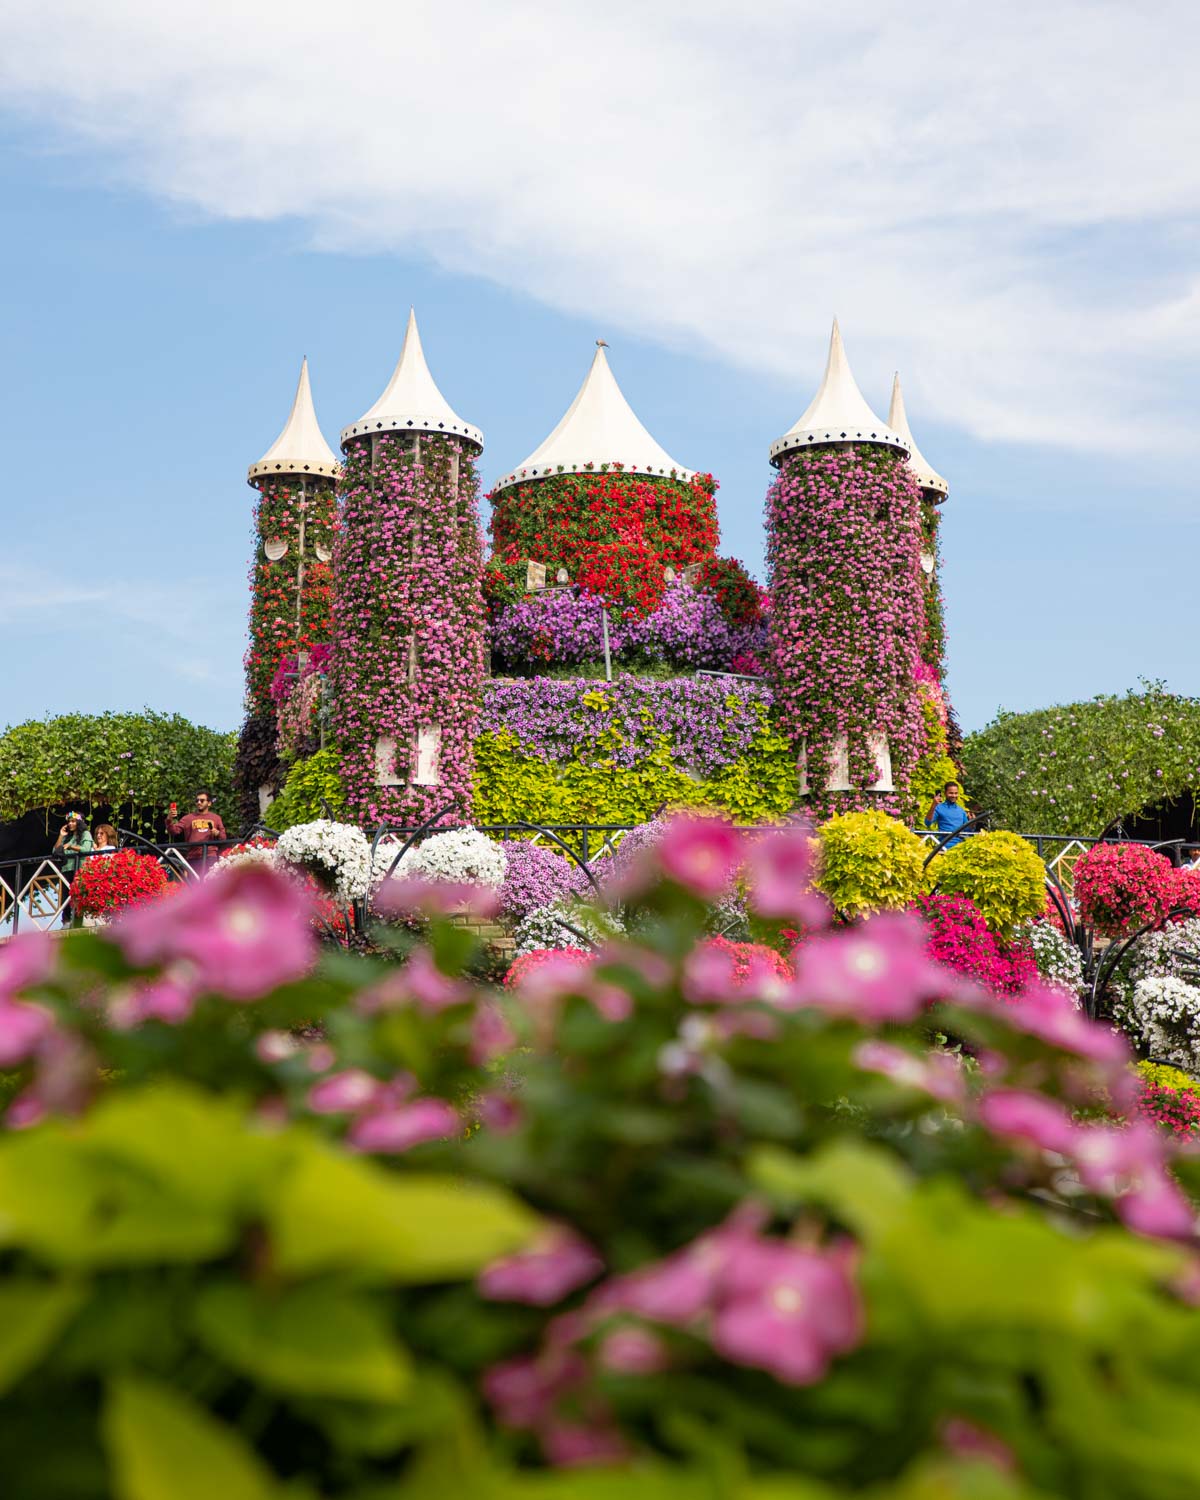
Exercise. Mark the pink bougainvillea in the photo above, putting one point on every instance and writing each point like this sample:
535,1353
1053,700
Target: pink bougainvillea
408,627
844,546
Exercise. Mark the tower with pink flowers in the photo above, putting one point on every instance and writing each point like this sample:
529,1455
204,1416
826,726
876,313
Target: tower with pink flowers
409,664
844,546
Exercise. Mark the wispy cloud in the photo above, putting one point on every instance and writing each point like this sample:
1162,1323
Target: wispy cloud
1000,200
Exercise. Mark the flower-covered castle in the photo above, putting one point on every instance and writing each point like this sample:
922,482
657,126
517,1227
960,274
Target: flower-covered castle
603,659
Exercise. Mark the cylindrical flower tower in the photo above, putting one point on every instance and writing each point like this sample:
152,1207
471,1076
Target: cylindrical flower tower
408,665
844,555
290,582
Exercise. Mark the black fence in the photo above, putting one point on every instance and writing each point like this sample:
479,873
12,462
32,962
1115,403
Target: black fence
35,891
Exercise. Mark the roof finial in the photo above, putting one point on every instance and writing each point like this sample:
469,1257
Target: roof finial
412,402
600,428
300,448
838,413
926,475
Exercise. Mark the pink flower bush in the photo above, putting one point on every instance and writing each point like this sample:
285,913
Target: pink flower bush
1120,887
408,623
960,939
843,548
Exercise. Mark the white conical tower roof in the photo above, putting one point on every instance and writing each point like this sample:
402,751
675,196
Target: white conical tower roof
927,477
412,401
837,413
300,447
600,428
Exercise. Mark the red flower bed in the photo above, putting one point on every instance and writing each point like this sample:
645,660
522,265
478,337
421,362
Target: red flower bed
109,883
528,963
1176,1110
628,576
751,961
738,597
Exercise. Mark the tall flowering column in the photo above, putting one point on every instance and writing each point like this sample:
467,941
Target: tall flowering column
409,660
844,555
291,580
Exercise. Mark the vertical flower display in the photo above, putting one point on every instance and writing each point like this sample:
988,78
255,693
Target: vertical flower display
843,551
290,578
408,665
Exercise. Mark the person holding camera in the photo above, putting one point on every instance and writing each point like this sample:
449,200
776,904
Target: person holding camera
947,814
74,841
198,828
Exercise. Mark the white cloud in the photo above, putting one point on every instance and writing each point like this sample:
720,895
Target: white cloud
999,200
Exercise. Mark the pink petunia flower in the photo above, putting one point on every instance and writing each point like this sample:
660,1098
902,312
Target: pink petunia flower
557,1263
876,972
391,1131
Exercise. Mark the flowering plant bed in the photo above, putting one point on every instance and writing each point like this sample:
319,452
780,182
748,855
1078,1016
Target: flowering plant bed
611,1189
108,883
336,855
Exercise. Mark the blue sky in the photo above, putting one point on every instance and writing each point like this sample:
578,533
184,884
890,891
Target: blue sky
184,221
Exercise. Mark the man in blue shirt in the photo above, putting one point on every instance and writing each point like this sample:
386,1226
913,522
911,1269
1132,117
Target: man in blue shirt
948,814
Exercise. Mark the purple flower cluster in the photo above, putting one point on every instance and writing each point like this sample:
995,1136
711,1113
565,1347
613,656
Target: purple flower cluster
707,721
535,877
408,625
563,628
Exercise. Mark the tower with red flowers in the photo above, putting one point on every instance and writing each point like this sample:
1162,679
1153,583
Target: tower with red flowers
844,555
408,665
290,582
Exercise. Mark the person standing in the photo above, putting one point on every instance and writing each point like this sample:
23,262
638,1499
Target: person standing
73,842
204,826
947,814
106,839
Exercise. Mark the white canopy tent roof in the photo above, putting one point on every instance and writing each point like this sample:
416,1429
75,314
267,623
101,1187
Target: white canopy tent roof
927,476
300,448
600,428
837,413
412,401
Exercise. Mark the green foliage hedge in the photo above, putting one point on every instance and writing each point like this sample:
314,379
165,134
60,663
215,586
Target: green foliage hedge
313,790
869,862
146,760
511,784
1076,768
1000,872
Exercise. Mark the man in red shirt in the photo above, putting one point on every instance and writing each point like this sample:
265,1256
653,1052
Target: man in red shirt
199,828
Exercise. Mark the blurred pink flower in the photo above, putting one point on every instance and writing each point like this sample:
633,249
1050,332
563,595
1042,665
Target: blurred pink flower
522,1391
877,971
701,854
936,1073
491,1034
1052,1016
26,960
570,1445
23,1027
246,934
779,875
409,895
632,1351
407,1125
1018,1115
554,1265
965,1440
343,1093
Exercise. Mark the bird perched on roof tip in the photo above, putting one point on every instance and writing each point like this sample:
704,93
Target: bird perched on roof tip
601,343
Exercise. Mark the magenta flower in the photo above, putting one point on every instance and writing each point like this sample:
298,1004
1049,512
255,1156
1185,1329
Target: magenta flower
23,1028
1157,1207
936,1073
1018,1115
408,895
392,1131
429,987
25,961
1052,1016
779,872
246,934
633,1351
571,1445
557,1263
522,1391
701,854
878,971
491,1035
343,1093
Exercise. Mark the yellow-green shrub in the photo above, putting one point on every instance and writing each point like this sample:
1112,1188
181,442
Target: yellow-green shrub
313,790
868,862
1000,872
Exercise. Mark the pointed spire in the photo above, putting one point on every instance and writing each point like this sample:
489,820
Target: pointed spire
927,476
300,448
412,401
600,428
837,413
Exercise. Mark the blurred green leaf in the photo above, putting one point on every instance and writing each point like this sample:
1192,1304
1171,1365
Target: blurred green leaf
311,1340
865,1186
32,1315
162,1446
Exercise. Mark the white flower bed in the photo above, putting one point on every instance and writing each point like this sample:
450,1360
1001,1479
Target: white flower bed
1059,962
459,856
543,929
338,854
1167,1013
250,855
